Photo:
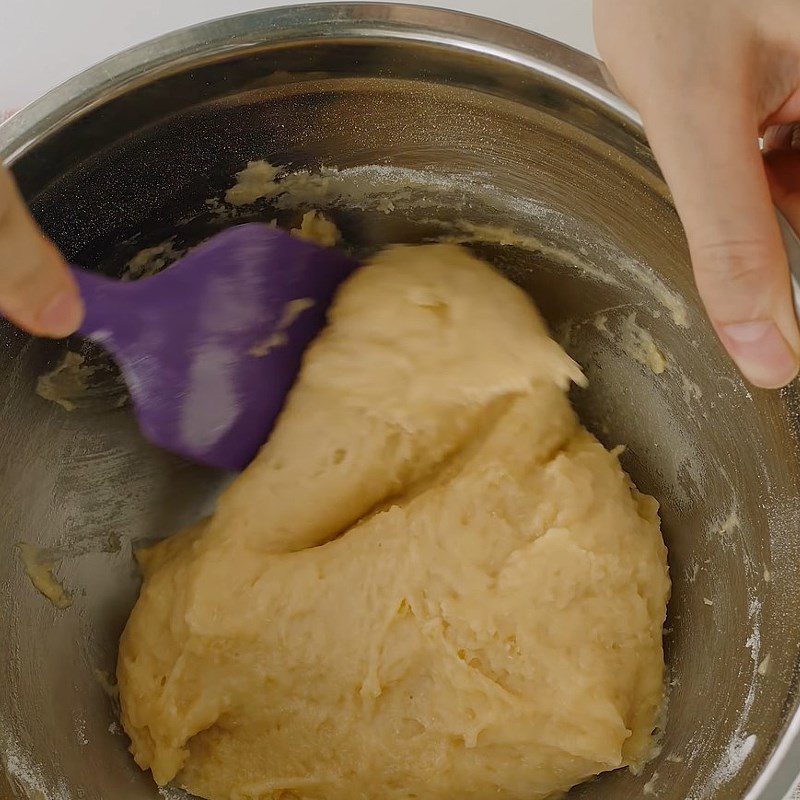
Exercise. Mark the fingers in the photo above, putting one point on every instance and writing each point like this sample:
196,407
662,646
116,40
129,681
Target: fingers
37,292
783,174
723,197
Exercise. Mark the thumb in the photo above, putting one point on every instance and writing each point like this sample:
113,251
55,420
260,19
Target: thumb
710,158
37,291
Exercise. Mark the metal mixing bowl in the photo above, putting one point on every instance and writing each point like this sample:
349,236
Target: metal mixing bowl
472,124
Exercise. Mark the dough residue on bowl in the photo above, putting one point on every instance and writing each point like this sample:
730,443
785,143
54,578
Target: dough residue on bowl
315,227
291,311
640,345
431,582
150,261
40,567
66,382
384,188
254,182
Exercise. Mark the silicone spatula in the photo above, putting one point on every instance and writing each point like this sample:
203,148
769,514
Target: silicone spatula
210,347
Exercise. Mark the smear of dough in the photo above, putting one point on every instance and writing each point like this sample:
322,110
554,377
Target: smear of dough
66,382
763,667
291,311
315,227
40,567
431,582
107,684
110,688
469,232
732,522
382,188
639,344
76,382
269,344
635,341
692,393
671,301
151,260
650,787
254,182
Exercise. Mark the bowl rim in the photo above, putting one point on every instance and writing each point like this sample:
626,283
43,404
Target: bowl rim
225,36
222,37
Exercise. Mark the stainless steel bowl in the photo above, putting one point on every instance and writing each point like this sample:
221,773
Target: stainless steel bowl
487,126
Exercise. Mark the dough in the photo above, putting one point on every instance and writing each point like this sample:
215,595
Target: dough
40,567
432,582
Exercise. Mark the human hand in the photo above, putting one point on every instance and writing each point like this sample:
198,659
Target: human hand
709,78
37,291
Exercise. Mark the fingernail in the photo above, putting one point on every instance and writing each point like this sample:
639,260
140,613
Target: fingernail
761,353
61,316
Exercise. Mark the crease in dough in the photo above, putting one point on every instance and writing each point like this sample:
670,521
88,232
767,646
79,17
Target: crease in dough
432,582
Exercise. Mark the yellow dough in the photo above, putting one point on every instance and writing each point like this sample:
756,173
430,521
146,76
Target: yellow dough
432,583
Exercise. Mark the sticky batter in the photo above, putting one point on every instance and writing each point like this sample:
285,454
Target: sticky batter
432,582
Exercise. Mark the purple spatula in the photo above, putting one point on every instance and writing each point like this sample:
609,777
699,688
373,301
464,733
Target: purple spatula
210,347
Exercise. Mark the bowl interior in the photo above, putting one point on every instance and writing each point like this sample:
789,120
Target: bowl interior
408,141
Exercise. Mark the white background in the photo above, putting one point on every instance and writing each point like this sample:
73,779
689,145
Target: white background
44,42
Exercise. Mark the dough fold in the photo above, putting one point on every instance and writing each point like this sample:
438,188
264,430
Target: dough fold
431,583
